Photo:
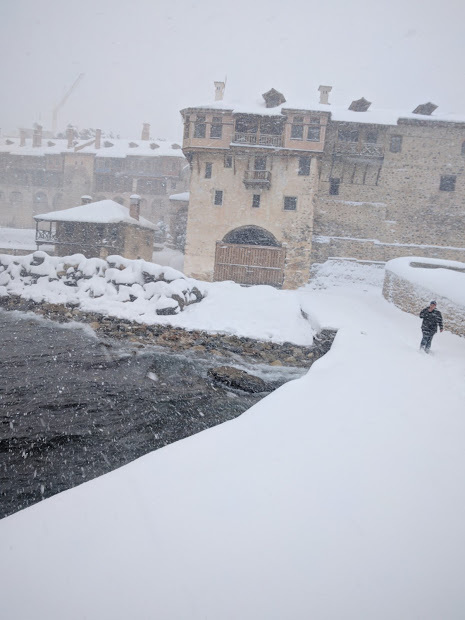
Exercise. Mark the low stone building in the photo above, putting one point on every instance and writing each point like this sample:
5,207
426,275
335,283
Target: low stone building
280,185
97,229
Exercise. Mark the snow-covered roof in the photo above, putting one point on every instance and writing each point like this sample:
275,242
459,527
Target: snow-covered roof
377,116
100,212
181,196
119,148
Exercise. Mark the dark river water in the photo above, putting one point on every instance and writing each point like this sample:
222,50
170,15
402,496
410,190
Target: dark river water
73,407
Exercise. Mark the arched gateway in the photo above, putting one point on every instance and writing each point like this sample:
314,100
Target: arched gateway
250,255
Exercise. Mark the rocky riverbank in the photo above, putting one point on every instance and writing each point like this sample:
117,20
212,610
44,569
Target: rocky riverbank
178,340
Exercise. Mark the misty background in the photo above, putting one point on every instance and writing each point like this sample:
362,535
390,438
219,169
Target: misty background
145,60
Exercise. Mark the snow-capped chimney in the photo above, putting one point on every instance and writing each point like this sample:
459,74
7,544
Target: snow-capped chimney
98,138
134,206
85,200
22,137
324,94
37,135
145,131
69,137
219,91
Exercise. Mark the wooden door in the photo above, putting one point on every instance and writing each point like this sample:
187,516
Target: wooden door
249,264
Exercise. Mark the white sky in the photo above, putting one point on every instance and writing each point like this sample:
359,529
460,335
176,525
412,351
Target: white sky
146,59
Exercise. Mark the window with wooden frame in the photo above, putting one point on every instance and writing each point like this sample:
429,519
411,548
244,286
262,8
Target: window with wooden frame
304,166
228,161
314,130
297,128
447,183
290,203
216,128
208,170
218,197
200,126
334,186
395,145
256,201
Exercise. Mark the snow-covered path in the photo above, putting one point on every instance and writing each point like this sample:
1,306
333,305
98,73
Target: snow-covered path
341,495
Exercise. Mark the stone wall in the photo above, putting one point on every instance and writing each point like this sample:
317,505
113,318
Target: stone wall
412,298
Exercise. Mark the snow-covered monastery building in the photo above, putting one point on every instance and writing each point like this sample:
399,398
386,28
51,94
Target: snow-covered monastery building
39,174
278,185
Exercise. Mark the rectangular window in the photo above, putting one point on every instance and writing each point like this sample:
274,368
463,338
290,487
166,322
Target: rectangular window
297,128
396,144
290,203
216,129
334,186
447,183
371,137
348,135
200,127
256,200
304,166
260,163
208,170
218,197
187,126
228,161
313,134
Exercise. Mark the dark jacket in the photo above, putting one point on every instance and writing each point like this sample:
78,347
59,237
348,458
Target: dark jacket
431,320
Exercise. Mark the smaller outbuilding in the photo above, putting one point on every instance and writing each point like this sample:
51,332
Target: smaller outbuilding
97,229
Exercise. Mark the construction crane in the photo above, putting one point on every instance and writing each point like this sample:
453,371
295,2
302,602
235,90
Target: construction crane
62,103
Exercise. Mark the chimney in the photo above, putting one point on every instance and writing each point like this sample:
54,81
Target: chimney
37,135
98,138
69,136
219,90
134,206
324,94
22,137
145,131
85,200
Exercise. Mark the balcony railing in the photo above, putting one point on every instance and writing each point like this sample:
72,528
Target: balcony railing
257,139
50,236
359,149
257,178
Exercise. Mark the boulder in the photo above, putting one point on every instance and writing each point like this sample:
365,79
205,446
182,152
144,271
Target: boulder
239,379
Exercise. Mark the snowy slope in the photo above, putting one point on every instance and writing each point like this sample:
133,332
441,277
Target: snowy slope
341,495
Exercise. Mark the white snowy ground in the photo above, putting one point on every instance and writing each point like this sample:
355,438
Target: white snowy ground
339,496
18,238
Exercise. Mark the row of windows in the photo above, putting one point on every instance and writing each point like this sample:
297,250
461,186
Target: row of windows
260,163
289,203
446,184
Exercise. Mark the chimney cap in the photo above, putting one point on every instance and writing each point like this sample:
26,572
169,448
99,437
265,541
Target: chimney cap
86,199
134,197
327,89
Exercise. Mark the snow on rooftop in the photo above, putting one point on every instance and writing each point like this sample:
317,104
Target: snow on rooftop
119,147
101,212
181,196
373,115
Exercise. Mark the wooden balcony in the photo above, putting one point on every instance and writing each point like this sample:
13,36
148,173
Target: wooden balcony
257,139
359,149
257,179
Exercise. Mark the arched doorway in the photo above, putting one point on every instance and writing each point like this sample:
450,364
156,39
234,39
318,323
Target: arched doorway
250,255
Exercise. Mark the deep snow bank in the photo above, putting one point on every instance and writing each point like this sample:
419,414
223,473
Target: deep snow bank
76,280
341,495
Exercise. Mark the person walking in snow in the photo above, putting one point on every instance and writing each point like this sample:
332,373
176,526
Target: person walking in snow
432,318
